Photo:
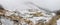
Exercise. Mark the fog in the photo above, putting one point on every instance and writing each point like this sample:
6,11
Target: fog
20,4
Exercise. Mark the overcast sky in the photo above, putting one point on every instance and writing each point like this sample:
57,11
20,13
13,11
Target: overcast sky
20,4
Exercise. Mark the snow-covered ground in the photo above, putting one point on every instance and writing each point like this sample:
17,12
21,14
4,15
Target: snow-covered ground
12,5
6,22
44,18
58,22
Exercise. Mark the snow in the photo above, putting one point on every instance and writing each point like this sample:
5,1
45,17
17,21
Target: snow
6,22
58,22
21,6
33,19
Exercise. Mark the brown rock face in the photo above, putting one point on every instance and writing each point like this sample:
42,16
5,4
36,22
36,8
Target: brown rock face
57,12
1,8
